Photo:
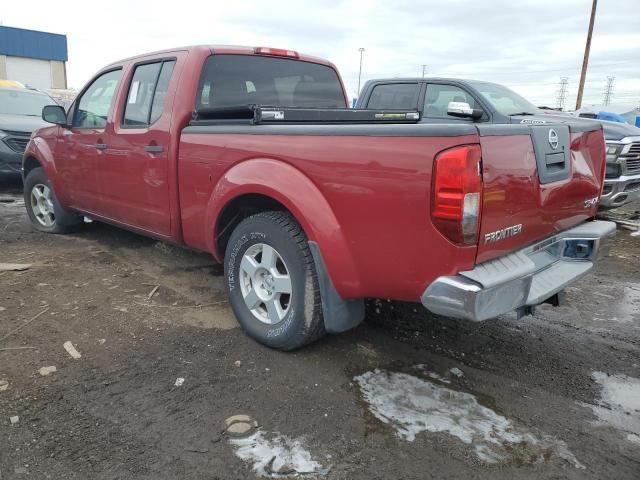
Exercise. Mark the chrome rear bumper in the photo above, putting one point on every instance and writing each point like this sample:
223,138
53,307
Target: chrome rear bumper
524,278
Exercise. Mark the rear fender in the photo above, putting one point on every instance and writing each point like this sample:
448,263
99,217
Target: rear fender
302,198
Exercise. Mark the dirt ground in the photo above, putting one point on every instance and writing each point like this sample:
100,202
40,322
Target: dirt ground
116,412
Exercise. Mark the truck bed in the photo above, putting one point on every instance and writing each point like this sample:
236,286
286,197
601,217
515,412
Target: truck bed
376,179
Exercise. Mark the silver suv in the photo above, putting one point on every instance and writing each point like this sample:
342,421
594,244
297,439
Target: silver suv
622,178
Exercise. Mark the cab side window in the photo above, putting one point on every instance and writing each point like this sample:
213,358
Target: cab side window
437,98
394,96
157,106
147,92
95,102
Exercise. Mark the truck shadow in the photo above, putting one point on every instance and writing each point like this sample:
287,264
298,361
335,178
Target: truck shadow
170,258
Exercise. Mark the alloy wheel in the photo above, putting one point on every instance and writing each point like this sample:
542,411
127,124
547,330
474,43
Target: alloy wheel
265,283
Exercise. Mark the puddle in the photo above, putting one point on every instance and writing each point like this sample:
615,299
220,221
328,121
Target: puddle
619,404
412,405
278,456
614,302
630,305
12,201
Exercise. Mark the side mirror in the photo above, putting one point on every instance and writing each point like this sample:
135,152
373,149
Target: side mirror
54,114
463,110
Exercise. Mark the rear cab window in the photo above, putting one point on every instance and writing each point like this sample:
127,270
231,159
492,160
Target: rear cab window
394,96
230,80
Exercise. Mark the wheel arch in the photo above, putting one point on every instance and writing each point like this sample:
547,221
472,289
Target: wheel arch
266,184
30,163
39,155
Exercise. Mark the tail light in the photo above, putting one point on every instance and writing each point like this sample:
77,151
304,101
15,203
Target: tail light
457,194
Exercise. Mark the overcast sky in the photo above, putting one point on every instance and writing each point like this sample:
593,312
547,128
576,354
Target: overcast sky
526,45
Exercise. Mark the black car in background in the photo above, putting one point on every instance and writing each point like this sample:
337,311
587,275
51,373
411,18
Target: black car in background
20,115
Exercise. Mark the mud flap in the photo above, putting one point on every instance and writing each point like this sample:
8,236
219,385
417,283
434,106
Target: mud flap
339,315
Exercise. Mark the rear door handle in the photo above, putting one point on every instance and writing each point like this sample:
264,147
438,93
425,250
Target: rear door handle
153,148
101,146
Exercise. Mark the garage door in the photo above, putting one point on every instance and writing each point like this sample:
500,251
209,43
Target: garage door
32,72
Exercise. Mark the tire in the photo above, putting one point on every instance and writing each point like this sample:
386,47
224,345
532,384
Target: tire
263,250
44,210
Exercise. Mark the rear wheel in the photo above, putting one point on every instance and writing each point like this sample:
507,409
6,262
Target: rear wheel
45,213
272,281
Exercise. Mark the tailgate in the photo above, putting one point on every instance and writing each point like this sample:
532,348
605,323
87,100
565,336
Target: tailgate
538,180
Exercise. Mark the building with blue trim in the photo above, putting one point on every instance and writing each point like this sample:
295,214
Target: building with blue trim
36,59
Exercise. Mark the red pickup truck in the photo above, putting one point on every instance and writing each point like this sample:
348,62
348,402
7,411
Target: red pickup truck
250,154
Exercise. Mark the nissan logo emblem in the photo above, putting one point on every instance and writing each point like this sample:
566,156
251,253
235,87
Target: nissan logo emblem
553,138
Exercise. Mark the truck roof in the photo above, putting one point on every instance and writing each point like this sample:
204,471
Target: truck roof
226,49
428,79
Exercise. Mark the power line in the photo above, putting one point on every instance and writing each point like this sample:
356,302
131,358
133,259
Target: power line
527,72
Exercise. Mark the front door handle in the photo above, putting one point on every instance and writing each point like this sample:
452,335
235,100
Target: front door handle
153,148
101,146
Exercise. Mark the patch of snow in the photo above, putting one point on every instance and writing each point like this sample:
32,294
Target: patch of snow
291,457
633,438
619,404
412,405
456,372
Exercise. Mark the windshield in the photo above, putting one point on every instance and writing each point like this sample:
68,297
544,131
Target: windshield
234,80
504,100
23,102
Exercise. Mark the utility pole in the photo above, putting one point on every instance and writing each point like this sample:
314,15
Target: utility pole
424,70
361,50
562,93
585,60
608,91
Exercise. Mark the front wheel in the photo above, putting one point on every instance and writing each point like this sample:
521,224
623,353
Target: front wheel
45,213
272,281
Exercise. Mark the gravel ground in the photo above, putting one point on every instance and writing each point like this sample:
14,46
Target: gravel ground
551,396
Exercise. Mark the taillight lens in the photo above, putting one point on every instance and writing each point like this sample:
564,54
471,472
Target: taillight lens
457,194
